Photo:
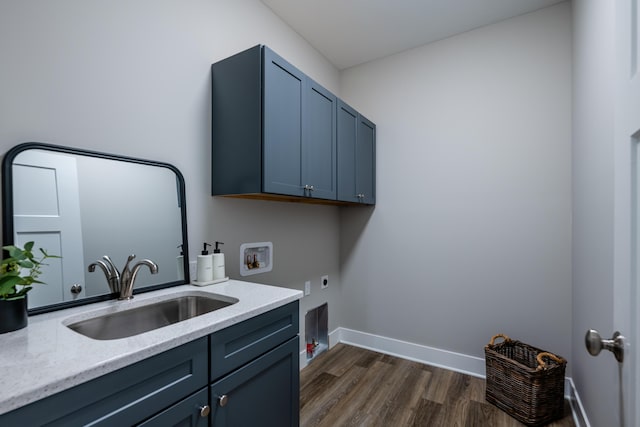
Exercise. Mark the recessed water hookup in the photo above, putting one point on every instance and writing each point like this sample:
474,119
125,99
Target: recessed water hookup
256,258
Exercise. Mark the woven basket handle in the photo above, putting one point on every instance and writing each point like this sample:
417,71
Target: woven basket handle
506,338
542,364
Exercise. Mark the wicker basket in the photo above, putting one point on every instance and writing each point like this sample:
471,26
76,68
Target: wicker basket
525,382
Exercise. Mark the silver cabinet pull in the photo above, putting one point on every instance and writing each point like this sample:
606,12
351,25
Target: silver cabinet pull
204,411
223,400
76,288
595,344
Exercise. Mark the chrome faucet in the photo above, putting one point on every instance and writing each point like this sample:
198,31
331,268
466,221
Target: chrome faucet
126,290
110,271
122,283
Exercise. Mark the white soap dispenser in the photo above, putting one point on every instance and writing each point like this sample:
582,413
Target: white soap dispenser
204,265
218,263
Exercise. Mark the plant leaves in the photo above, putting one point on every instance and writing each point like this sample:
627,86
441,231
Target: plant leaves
15,252
8,283
12,268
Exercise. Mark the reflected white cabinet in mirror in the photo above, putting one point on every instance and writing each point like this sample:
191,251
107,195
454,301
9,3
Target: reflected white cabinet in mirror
84,205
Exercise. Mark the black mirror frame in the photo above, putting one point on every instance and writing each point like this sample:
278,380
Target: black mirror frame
7,213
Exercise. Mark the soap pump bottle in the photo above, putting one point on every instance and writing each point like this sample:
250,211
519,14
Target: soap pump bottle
204,265
218,263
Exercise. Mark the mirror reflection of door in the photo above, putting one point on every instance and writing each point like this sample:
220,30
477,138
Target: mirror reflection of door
47,211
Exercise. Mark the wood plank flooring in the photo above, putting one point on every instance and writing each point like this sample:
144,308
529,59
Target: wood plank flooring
350,386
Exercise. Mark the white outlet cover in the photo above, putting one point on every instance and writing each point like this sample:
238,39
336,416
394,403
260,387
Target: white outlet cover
322,280
307,287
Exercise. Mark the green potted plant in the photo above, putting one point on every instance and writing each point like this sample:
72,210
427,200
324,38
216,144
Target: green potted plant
18,274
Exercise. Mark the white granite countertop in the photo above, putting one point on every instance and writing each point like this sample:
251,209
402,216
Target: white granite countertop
47,357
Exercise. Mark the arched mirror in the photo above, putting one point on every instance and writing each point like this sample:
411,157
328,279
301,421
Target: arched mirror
84,205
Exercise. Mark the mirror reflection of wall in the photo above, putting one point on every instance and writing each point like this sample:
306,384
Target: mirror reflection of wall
84,206
129,208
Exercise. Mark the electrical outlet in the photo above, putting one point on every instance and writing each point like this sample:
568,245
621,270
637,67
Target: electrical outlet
307,288
193,269
324,282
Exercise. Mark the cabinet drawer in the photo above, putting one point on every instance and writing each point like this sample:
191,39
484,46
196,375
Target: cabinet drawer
265,392
123,397
236,345
186,413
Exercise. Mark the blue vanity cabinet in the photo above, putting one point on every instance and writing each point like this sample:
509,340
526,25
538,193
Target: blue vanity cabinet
124,397
273,129
255,371
356,156
264,392
250,363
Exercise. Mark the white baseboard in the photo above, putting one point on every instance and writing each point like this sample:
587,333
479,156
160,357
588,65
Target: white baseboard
470,365
579,414
462,363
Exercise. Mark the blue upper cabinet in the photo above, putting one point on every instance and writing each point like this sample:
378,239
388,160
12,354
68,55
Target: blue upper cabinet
356,156
275,132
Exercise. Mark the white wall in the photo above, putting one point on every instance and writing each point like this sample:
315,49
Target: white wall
593,205
471,234
133,77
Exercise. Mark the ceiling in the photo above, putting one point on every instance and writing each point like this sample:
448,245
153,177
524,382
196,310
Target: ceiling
351,32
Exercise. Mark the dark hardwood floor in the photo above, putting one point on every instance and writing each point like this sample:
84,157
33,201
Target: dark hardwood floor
350,386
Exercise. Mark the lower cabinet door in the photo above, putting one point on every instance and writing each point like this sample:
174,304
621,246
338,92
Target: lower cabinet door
190,412
264,392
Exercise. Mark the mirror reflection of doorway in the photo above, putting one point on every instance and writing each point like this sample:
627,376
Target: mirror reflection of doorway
47,211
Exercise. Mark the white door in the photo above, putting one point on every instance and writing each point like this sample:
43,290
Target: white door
627,204
47,210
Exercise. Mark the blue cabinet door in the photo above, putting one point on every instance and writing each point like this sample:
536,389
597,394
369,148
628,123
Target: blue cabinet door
264,392
356,156
283,112
347,136
319,147
366,161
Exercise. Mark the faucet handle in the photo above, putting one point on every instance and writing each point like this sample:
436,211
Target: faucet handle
129,259
126,272
113,271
